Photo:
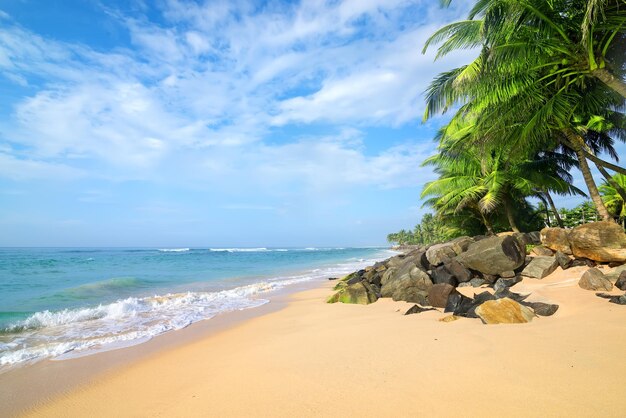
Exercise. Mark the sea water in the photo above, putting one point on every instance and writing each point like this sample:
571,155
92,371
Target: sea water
62,302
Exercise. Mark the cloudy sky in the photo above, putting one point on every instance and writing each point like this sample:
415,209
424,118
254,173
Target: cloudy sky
191,123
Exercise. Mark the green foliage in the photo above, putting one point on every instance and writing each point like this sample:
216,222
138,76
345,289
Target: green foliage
583,213
613,200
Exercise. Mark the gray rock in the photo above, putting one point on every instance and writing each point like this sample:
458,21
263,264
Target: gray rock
387,275
415,309
461,305
621,281
477,282
506,293
540,267
502,284
493,255
618,299
593,279
534,237
439,293
507,274
614,274
442,275
461,244
411,287
542,309
564,260
439,253
459,271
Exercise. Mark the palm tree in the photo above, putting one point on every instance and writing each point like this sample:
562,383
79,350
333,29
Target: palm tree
614,201
525,88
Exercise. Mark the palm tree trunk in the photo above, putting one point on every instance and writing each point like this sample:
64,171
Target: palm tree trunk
612,182
599,162
486,222
509,214
555,210
578,144
610,80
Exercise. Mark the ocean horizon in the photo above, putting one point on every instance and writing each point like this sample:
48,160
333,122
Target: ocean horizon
63,302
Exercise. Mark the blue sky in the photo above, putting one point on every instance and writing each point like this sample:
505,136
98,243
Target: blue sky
190,123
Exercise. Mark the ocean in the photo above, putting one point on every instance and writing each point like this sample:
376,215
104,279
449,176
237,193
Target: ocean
58,303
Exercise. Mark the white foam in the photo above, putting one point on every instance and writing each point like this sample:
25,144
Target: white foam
76,332
174,250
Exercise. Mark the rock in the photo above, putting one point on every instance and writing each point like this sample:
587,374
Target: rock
449,318
599,241
493,255
542,309
621,281
505,283
355,277
540,267
534,237
442,275
614,274
556,239
459,271
477,282
619,299
415,309
333,278
506,293
593,279
461,244
541,251
355,293
438,294
387,275
564,260
507,274
439,253
411,287
460,305
504,311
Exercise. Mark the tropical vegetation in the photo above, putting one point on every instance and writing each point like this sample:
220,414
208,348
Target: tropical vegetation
545,95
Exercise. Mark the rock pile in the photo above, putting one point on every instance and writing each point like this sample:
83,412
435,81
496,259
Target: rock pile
429,276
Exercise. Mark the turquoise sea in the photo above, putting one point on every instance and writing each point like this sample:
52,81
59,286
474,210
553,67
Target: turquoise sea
63,302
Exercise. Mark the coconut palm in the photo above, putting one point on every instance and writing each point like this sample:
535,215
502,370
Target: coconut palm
613,200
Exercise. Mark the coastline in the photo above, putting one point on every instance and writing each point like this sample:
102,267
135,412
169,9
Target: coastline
309,358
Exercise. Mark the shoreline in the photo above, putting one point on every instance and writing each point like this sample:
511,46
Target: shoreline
309,358
31,385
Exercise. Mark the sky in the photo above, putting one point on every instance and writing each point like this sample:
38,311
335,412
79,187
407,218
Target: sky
215,123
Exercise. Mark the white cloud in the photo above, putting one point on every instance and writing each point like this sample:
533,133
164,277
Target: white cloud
200,94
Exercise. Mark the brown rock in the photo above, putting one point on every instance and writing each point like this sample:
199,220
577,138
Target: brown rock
540,267
599,241
439,293
621,281
593,279
556,239
504,311
449,318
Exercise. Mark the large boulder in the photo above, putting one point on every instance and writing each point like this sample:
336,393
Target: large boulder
439,293
556,239
461,244
564,260
620,283
459,271
593,279
504,311
493,255
411,287
355,293
614,274
599,241
540,267
439,253
541,251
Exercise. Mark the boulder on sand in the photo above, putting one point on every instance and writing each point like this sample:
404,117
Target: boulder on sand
459,271
439,293
442,275
541,251
540,267
564,260
410,287
439,253
593,279
355,293
504,311
599,241
493,255
621,281
556,239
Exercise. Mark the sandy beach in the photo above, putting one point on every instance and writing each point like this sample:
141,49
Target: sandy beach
310,358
